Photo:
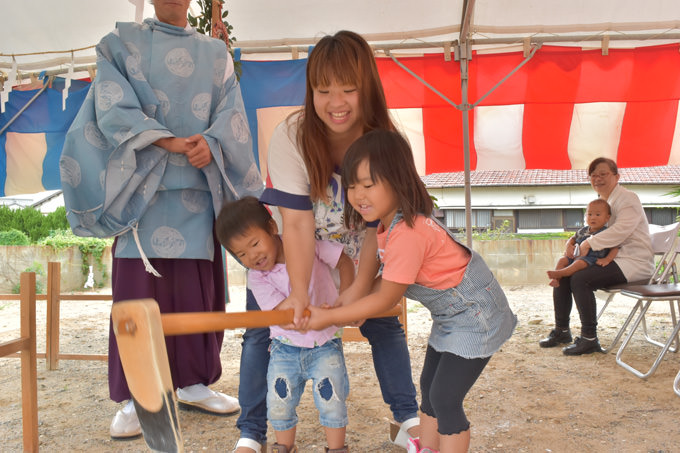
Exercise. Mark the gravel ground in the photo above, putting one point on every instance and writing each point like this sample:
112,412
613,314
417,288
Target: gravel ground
527,400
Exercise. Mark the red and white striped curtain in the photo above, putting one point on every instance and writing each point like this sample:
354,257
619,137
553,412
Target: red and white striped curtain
559,111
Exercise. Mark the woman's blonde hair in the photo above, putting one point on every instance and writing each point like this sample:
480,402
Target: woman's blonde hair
346,58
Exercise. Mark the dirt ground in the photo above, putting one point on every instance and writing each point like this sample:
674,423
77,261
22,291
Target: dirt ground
527,400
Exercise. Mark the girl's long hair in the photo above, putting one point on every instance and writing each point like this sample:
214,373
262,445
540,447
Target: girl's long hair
347,58
391,162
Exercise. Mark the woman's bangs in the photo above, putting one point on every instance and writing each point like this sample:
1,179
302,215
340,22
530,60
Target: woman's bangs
334,66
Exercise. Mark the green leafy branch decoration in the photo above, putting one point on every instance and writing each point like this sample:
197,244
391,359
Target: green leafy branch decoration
204,24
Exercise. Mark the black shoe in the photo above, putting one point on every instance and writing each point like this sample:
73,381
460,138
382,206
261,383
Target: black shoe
582,346
555,337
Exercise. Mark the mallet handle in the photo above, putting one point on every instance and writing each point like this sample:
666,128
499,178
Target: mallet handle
199,322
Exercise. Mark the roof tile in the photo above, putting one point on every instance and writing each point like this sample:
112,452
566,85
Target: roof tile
668,174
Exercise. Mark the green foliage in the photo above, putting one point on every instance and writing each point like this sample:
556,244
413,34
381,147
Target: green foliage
502,232
90,248
32,222
203,24
13,237
57,220
28,226
552,235
674,193
39,285
28,220
435,205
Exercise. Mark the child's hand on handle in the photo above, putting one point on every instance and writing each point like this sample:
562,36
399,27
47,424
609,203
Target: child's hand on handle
289,303
298,304
320,318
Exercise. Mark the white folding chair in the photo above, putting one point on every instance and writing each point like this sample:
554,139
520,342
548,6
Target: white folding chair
665,244
645,295
676,384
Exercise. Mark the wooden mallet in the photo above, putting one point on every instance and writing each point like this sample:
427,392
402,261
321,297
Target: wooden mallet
140,330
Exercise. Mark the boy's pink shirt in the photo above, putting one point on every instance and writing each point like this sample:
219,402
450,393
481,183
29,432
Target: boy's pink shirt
271,287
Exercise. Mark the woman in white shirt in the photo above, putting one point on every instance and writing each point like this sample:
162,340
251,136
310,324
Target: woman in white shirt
627,229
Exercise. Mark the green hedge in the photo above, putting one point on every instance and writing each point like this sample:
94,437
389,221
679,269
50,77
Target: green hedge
29,226
14,237
32,222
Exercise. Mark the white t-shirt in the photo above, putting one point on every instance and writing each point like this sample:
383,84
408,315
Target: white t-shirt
290,188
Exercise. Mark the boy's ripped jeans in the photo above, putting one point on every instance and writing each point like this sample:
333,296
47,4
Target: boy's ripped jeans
289,369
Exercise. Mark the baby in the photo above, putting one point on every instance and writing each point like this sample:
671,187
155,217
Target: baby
598,213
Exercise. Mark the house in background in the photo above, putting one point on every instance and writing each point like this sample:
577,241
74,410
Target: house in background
530,201
544,200
45,202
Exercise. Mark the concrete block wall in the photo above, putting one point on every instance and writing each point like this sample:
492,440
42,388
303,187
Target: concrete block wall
520,261
514,262
15,259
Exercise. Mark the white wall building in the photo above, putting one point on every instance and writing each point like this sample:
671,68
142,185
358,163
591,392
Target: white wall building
545,200
45,202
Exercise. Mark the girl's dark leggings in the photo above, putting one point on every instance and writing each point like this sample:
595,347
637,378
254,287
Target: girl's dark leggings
444,382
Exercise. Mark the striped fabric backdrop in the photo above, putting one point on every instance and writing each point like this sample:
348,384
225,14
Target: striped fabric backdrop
559,111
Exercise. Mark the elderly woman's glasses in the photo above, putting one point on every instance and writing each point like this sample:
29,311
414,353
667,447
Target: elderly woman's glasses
599,175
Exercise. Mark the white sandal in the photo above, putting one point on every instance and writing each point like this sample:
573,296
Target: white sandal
399,433
249,443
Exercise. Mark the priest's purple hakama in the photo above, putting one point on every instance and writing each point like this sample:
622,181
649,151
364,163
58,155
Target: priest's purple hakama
186,285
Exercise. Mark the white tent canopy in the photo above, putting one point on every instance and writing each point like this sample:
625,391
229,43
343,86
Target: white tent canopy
59,37
46,30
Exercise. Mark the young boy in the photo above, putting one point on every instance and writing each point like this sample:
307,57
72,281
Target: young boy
597,216
247,230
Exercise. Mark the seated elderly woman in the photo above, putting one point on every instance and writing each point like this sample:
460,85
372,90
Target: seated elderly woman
628,229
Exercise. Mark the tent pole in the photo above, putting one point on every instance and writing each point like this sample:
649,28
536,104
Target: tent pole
466,140
464,48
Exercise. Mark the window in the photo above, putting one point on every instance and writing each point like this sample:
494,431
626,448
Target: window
661,216
529,219
455,218
540,218
573,219
482,219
